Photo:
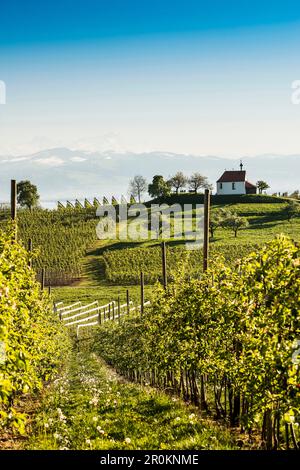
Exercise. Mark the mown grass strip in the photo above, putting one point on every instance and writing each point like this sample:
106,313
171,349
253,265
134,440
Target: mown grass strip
89,407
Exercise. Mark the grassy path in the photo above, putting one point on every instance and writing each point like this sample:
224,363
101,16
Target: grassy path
89,407
93,269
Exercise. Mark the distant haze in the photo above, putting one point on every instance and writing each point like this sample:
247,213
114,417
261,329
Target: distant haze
61,173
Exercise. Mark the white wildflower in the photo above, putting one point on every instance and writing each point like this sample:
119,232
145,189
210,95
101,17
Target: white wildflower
94,401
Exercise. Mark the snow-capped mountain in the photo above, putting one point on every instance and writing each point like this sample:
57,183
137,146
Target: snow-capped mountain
62,173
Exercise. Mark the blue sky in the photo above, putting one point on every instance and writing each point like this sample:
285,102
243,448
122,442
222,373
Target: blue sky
180,76
34,21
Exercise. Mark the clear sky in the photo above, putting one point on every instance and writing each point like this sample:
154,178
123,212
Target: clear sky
188,76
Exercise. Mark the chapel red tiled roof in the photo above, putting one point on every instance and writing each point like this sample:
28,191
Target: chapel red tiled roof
232,177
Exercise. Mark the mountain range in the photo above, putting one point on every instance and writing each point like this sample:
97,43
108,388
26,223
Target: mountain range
62,173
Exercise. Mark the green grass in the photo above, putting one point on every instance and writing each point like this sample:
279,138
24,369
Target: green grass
192,198
102,293
88,407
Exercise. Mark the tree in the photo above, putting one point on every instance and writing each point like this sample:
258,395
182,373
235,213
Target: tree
178,181
295,194
292,209
217,219
27,195
138,186
159,187
261,186
197,181
235,223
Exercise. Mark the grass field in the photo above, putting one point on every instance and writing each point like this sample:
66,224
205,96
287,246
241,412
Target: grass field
102,293
88,407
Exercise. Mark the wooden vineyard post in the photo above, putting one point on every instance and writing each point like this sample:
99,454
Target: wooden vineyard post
206,229
205,267
142,293
30,251
164,264
128,302
109,307
99,316
104,314
49,289
55,310
43,279
119,309
13,204
13,199
113,310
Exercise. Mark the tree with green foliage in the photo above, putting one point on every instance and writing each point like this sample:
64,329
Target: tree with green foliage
27,194
262,186
235,223
178,181
217,219
295,194
292,210
138,186
159,187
